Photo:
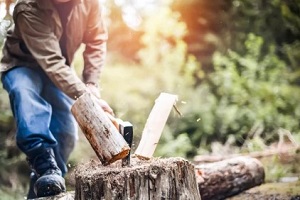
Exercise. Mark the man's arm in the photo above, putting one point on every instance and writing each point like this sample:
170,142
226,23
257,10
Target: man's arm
95,38
44,47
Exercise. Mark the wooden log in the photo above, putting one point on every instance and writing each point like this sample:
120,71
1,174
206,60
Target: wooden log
155,124
172,178
108,144
226,178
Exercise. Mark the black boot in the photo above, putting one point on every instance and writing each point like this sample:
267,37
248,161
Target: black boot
49,177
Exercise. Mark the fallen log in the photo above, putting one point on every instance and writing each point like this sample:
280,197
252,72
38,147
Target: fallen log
226,178
108,144
286,152
171,178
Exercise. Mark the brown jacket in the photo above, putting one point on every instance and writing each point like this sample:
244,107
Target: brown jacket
33,41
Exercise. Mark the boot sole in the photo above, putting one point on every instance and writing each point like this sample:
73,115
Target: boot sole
49,185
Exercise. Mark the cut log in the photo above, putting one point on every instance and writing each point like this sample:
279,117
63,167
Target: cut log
155,124
108,144
172,178
226,178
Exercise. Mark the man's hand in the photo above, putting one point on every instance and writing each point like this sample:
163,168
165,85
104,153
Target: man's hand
105,106
94,90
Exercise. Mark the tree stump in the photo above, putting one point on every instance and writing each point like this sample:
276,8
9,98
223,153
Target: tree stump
104,137
228,177
172,178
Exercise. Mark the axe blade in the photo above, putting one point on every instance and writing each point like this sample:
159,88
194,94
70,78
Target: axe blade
126,130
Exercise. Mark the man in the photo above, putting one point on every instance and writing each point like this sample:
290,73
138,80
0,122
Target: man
42,86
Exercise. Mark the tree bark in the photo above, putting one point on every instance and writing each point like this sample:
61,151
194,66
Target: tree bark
172,178
104,137
226,178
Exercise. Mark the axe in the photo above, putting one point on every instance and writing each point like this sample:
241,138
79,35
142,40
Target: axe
126,130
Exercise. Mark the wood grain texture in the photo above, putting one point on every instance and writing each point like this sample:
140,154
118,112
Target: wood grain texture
172,178
155,124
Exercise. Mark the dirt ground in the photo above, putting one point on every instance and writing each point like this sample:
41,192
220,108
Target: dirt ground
268,191
271,191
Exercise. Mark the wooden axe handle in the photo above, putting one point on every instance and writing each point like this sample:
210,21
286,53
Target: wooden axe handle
115,121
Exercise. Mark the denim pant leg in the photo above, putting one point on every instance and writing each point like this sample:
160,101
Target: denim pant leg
31,112
63,125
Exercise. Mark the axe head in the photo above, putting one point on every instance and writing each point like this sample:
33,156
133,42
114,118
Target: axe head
126,130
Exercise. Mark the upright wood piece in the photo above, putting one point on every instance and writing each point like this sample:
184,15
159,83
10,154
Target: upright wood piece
172,178
155,124
105,139
223,179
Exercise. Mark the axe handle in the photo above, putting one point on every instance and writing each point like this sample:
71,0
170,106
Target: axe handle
114,120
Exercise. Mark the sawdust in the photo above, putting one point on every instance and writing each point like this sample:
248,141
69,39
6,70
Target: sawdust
94,167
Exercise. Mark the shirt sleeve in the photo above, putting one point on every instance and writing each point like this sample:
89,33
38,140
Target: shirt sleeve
95,38
44,47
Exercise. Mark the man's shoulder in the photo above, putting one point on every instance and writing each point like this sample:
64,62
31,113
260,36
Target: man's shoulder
32,8
24,5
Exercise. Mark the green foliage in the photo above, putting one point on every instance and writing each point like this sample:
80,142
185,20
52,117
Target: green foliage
277,22
174,146
131,89
275,169
165,51
244,92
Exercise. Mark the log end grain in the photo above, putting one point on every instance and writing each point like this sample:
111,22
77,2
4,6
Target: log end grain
121,155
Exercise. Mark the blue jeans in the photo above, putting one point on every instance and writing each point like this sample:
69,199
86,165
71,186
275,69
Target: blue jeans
42,113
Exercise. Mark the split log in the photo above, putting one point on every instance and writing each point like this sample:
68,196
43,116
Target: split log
104,137
155,124
226,178
172,178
